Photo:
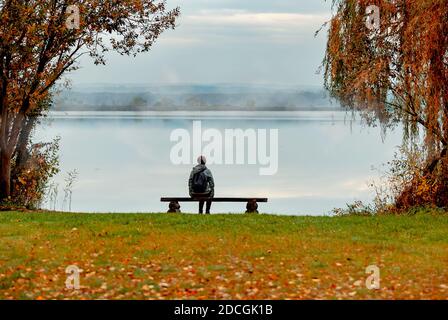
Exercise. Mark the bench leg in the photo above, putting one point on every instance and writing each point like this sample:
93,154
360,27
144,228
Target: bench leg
174,207
252,206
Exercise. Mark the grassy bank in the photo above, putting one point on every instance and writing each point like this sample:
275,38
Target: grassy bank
222,256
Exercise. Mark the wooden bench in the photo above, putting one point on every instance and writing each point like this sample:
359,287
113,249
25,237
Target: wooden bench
251,206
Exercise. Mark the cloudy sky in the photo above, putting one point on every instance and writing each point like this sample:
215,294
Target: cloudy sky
227,41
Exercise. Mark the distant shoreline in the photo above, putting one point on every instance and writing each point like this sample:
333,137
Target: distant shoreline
330,115
190,108
194,98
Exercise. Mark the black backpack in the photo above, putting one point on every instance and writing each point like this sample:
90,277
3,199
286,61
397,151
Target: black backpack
200,182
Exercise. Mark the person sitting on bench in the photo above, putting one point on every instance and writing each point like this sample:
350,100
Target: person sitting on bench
202,185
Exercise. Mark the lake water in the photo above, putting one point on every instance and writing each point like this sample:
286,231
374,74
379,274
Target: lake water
325,160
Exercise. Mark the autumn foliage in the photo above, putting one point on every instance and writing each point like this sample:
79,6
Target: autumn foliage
172,256
41,40
397,73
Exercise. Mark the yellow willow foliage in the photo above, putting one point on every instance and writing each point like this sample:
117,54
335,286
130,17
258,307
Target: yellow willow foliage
398,72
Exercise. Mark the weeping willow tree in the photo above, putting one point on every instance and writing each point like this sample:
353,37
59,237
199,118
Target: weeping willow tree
397,72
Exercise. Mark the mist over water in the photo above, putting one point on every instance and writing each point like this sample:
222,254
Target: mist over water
123,160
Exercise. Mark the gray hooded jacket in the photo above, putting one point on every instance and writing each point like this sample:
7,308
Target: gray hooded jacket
210,182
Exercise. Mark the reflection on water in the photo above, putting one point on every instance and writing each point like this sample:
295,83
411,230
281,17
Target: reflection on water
123,160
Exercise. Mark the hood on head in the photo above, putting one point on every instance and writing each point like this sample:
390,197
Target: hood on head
199,168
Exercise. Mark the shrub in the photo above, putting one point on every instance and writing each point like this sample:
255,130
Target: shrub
31,178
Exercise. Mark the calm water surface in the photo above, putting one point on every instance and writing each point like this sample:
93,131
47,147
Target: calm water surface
324,161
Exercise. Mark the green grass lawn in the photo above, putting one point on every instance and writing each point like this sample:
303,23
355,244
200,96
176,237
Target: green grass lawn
175,256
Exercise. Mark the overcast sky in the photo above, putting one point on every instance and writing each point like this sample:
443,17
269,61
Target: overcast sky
227,41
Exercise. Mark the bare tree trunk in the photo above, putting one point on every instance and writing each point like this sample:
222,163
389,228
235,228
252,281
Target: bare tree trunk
21,154
433,164
5,175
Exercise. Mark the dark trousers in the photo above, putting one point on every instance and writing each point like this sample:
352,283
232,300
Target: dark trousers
207,207
202,202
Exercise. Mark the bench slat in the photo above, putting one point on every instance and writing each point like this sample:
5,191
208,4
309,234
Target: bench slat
187,199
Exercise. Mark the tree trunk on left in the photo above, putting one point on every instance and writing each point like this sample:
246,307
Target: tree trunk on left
5,175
